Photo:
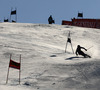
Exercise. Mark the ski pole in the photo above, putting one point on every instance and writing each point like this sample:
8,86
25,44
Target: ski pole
89,47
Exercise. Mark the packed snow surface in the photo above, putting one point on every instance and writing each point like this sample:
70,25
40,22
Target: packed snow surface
44,63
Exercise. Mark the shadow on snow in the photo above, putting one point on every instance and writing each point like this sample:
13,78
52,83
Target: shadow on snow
70,58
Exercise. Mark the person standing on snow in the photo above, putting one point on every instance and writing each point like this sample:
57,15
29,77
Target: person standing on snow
80,52
50,20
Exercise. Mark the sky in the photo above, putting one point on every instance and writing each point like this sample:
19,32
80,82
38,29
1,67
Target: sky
38,11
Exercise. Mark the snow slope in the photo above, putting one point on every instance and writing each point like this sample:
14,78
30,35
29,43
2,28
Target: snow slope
45,65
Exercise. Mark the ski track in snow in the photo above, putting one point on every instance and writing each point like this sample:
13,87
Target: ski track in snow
45,65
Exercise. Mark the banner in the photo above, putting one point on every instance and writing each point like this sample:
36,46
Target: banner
89,23
13,12
80,14
69,40
14,64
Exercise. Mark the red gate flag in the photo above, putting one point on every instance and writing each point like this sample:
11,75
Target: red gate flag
14,64
13,12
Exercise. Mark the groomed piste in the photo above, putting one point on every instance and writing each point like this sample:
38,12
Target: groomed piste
44,63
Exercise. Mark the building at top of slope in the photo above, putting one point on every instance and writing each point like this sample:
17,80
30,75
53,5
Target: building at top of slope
82,22
90,23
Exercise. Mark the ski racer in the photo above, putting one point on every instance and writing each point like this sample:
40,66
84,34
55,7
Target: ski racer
80,52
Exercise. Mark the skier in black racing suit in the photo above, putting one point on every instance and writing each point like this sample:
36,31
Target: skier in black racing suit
80,52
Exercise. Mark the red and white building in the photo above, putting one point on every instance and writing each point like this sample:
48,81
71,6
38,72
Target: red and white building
89,23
